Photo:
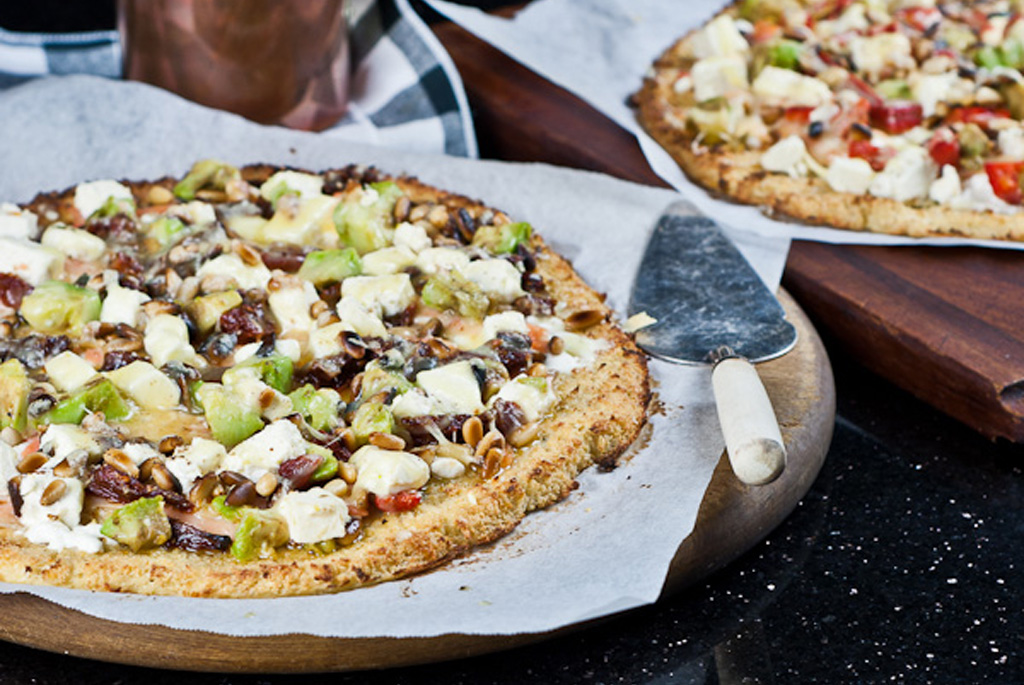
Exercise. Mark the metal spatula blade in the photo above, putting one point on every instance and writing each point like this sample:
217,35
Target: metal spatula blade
711,307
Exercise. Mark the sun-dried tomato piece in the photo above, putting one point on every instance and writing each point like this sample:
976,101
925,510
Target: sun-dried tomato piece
12,289
299,470
508,416
115,359
192,539
247,322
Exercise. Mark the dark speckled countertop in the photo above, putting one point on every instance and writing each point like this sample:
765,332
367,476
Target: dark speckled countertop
903,564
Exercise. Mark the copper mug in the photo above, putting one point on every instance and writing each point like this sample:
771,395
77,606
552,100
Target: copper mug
280,62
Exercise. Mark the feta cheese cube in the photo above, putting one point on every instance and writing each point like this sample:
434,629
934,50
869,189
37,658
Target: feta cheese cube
303,185
30,261
790,88
504,321
907,175
68,372
850,175
266,450
412,237
16,222
326,341
313,515
786,156
139,452
388,260
946,186
166,340
931,89
301,226
383,295
231,266
498,278
65,439
718,76
454,388
356,317
122,305
1011,142
144,383
435,259
191,461
533,395
91,196
290,306
74,242
387,472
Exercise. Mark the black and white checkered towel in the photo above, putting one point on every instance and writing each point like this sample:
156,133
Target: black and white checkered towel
404,93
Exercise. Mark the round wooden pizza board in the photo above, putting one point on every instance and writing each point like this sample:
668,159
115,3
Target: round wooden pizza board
733,518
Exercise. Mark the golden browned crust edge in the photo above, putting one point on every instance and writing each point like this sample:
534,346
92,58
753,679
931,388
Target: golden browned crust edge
601,411
738,176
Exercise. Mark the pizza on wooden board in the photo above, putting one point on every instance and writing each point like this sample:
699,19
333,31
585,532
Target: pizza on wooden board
261,382
894,116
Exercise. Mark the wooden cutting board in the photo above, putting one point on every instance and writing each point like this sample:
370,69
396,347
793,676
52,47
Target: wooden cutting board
733,517
943,323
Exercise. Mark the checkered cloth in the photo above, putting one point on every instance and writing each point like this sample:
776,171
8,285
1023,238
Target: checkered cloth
405,91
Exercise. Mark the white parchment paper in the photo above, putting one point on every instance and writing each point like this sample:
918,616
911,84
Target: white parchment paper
601,49
605,549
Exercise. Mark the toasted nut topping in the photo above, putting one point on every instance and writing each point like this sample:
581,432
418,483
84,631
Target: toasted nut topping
52,493
31,462
438,216
121,461
189,289
524,435
402,207
204,489
8,434
492,461
241,494
427,453
337,487
170,443
493,439
274,284
64,469
418,212
249,255
318,308
386,441
432,327
163,477
537,369
210,195
266,485
583,319
473,431
348,438
172,282
556,345
353,345
158,195
266,398
348,472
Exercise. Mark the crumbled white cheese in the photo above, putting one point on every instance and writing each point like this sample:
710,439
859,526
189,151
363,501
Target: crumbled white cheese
1011,142
16,222
872,54
68,372
308,225
383,295
355,317
850,175
930,90
412,237
435,259
290,307
720,37
504,321
247,387
786,156
122,305
196,212
533,395
74,242
908,175
447,467
718,76
67,509
453,388
313,515
388,260
415,402
853,19
139,452
231,266
9,459
946,186
144,383
64,439
30,261
790,88
206,455
91,196
295,182
57,536
166,340
978,195
184,471
388,472
326,341
266,450
498,278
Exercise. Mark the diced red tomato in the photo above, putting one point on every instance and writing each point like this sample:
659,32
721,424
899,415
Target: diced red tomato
406,500
875,156
944,148
1004,175
765,30
875,29
982,116
919,18
800,115
897,116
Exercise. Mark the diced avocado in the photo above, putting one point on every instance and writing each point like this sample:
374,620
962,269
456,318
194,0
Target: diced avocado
377,379
141,524
989,57
275,370
1009,54
207,310
367,226
894,89
318,407
99,395
231,420
784,54
327,470
502,239
437,294
59,307
973,141
207,173
259,533
165,232
328,266
450,290
225,510
371,417
114,206
14,389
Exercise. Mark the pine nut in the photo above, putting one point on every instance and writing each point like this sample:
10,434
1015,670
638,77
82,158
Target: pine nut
348,472
31,462
266,485
163,477
158,195
249,255
121,461
241,495
52,493
524,435
536,370
386,441
492,462
337,487
583,319
556,345
348,438
64,469
493,439
170,443
204,489
473,431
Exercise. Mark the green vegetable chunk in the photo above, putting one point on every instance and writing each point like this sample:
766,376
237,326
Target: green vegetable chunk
59,307
371,417
327,470
230,420
207,309
894,89
206,174
377,379
368,226
328,266
113,206
14,389
502,239
99,395
275,370
225,510
165,232
318,407
141,524
258,534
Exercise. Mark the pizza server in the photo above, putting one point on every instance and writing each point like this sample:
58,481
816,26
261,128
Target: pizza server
711,307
